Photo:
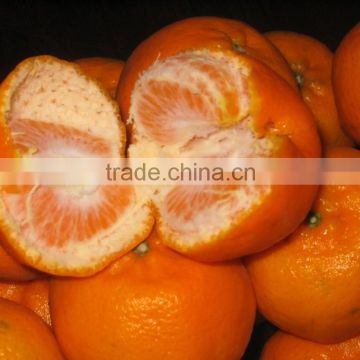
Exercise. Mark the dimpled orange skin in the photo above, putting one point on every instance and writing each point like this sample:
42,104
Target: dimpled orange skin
211,33
160,305
283,346
105,70
36,298
32,294
309,284
24,336
346,80
311,62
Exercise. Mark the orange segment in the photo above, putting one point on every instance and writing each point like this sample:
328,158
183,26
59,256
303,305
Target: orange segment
47,139
177,103
53,110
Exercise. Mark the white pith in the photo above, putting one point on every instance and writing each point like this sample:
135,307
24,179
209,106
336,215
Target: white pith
63,97
53,92
190,132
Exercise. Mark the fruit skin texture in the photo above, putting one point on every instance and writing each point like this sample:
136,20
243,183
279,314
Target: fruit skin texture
12,270
199,33
156,306
24,336
311,62
308,285
283,346
32,294
346,80
105,70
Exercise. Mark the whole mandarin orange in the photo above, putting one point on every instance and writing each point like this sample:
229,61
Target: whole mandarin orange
309,284
311,62
155,304
346,79
283,346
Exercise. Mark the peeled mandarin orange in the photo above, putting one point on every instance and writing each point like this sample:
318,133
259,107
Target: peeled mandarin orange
53,110
311,61
155,304
215,102
105,70
309,284
283,346
23,335
346,79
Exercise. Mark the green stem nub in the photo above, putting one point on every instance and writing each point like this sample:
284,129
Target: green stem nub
142,249
314,219
237,47
300,80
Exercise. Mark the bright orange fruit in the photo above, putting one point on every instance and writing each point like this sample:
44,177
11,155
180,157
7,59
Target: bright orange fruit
24,336
309,284
283,346
53,110
33,295
105,70
12,270
193,98
311,61
346,80
154,304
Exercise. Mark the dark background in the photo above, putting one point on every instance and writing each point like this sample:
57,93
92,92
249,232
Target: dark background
103,29
73,31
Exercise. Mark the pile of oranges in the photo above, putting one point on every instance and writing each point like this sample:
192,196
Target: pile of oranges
184,272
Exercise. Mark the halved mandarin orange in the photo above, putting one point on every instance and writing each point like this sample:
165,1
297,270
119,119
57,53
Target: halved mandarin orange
105,70
53,110
311,61
217,103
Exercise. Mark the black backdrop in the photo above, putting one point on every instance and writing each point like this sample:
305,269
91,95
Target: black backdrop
103,29
72,31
